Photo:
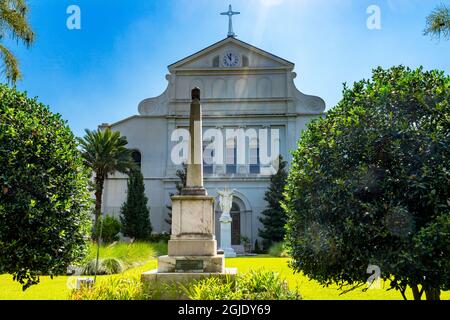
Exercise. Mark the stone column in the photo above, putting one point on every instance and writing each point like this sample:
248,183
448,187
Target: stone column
192,248
193,224
194,178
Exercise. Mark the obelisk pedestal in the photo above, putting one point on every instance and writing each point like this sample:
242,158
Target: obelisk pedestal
225,236
192,248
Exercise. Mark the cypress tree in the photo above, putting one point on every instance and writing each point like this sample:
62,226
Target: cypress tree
273,217
135,214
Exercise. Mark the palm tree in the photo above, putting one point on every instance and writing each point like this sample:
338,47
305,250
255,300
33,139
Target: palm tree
13,22
438,22
105,153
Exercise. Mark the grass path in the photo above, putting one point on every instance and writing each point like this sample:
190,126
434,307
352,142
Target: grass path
59,287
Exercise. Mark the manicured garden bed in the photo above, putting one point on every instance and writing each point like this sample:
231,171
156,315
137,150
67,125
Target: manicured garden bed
59,287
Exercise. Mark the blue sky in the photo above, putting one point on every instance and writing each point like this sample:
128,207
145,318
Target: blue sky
120,56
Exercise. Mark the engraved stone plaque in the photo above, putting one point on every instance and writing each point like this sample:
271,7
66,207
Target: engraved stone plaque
189,266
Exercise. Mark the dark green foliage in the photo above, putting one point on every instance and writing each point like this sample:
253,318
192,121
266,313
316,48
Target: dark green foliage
135,212
158,237
273,217
370,185
182,175
110,228
278,249
44,195
105,153
256,248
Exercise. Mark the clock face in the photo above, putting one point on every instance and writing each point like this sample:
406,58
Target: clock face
230,59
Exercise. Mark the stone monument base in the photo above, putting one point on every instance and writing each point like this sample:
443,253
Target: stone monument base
185,277
183,269
191,264
192,247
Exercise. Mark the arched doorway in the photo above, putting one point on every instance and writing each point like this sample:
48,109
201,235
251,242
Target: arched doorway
235,224
241,224
137,158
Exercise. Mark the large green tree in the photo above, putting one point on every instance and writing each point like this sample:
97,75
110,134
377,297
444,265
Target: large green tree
438,23
274,217
369,185
44,195
13,23
105,153
135,215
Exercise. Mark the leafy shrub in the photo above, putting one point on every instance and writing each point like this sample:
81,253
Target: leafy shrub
264,285
131,254
256,285
44,195
128,287
112,266
278,250
114,288
105,266
213,289
109,230
369,185
89,267
160,248
158,237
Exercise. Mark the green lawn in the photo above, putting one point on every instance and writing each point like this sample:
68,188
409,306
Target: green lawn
48,289
59,287
137,257
311,290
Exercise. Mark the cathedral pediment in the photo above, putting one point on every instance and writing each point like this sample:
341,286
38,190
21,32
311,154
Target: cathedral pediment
235,78
228,54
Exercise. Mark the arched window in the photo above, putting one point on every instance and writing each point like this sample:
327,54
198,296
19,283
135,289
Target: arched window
137,158
245,62
216,62
235,224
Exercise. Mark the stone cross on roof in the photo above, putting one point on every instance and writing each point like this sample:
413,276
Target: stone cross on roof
230,15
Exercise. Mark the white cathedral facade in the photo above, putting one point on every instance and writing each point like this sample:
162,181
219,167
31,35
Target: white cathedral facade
242,87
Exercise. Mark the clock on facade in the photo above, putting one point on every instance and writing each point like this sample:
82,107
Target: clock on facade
230,59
